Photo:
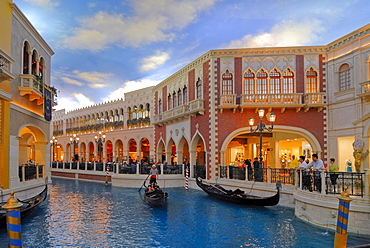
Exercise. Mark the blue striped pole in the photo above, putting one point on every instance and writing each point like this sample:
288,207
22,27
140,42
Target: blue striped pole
13,220
340,239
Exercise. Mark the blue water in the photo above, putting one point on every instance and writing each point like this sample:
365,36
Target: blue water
88,214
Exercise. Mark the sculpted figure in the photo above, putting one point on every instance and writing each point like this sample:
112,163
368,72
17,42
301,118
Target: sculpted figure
358,154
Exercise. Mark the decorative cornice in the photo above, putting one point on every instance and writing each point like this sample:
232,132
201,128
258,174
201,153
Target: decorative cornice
359,33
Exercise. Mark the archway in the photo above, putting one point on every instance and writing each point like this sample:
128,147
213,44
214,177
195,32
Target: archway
198,156
277,146
161,152
183,151
132,149
91,152
171,152
145,149
119,151
109,151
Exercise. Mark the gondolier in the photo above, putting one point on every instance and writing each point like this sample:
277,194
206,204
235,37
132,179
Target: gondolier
153,173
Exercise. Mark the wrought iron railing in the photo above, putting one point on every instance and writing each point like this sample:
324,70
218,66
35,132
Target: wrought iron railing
28,172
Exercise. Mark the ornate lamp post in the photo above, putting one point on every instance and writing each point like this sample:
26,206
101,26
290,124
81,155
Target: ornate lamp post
100,139
74,139
53,143
261,127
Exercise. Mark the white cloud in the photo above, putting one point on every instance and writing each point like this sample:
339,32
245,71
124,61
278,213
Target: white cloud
286,33
71,81
153,62
78,100
151,21
44,3
128,87
93,79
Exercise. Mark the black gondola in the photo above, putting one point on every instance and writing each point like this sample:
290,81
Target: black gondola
237,196
156,198
29,205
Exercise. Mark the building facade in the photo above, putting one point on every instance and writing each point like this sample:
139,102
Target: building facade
26,101
114,132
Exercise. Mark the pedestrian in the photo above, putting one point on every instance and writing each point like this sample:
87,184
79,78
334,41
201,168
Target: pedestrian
317,166
333,168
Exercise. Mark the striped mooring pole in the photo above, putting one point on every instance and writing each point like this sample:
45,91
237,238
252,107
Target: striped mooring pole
187,178
13,220
340,239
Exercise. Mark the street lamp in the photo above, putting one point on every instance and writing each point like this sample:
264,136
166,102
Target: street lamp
261,127
100,139
53,143
74,141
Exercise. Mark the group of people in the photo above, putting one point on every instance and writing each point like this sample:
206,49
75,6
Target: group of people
153,186
316,165
257,173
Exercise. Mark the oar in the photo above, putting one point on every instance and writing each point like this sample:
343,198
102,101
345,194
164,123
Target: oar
144,182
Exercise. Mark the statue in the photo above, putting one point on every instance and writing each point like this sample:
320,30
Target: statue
358,154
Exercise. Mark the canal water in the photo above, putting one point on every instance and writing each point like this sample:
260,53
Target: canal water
88,214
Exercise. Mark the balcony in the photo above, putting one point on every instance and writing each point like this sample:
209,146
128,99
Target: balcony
5,66
181,112
365,90
31,86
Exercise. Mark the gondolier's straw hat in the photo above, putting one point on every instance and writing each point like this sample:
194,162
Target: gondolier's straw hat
153,166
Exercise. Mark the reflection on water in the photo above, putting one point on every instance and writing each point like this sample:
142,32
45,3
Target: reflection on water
87,214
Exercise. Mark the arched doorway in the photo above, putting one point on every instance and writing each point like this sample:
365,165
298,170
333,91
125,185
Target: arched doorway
83,152
161,152
183,151
171,152
132,149
109,151
277,147
119,151
31,145
145,149
198,157
91,152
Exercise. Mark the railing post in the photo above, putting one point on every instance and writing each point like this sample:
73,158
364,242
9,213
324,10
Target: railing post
228,171
23,173
137,167
366,183
296,179
323,182
300,179
268,174
37,171
94,165
246,173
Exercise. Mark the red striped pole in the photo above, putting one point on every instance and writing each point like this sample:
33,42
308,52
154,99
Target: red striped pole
187,178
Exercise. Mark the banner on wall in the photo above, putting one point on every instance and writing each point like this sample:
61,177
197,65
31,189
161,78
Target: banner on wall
47,103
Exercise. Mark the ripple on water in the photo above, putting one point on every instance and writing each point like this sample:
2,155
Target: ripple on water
86,214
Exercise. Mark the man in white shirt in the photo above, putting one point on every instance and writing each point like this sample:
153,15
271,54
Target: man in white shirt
316,164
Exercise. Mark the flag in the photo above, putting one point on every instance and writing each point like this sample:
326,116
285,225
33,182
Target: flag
47,103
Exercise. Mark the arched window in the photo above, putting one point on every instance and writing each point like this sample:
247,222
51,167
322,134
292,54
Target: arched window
288,81
261,82
169,102
249,83
274,82
26,58
129,113
344,77
147,111
174,99
199,89
179,97
311,81
34,63
227,83
185,93
41,67
160,107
